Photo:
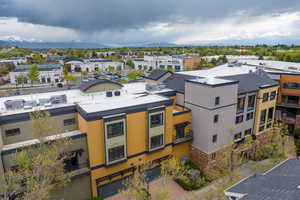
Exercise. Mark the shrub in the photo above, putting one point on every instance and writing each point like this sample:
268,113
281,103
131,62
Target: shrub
297,133
188,184
96,198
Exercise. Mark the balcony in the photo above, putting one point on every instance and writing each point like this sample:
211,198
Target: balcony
180,139
290,101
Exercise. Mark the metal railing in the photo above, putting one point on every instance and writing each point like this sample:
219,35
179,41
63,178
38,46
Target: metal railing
187,137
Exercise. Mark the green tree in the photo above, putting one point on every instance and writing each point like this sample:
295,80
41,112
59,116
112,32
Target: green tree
40,167
69,78
21,79
132,75
130,63
4,71
34,74
111,68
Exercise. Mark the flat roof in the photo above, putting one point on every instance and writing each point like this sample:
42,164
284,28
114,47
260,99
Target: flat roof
131,94
280,183
221,70
212,81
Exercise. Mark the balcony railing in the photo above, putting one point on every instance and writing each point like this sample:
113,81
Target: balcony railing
187,137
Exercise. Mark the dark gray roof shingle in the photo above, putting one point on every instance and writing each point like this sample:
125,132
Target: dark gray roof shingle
251,82
176,81
157,74
281,183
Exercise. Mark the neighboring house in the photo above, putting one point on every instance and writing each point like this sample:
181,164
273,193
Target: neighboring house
49,73
279,183
289,101
89,65
157,76
115,128
15,60
159,62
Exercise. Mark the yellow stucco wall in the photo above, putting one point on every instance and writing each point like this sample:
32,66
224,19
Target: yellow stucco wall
260,105
137,136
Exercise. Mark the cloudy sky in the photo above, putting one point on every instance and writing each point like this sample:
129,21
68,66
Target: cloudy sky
148,21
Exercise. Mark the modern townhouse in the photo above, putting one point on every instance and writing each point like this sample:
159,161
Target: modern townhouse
49,73
115,129
288,107
228,103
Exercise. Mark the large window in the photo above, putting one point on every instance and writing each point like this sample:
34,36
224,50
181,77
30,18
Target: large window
273,95
115,129
240,105
239,119
12,132
179,131
157,141
251,102
270,114
263,116
249,116
156,120
71,162
295,86
116,153
265,97
68,122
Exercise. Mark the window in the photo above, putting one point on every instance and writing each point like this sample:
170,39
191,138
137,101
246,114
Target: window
116,153
239,119
273,95
177,68
156,141
248,132
156,120
249,116
251,102
237,136
240,105
216,118
179,132
265,97
68,122
115,129
12,132
214,138
71,162
295,86
217,101
270,114
263,116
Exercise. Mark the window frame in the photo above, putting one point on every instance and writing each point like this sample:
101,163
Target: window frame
265,98
272,95
110,124
69,121
239,121
216,118
249,114
161,139
214,138
161,123
12,132
217,100
110,160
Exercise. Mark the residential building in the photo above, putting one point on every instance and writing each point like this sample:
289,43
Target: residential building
159,62
115,130
288,107
15,60
228,103
281,182
89,65
48,73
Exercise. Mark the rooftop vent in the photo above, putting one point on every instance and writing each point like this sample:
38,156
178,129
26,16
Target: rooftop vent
14,104
58,99
117,93
109,94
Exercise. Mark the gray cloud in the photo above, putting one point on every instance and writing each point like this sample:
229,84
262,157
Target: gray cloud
111,15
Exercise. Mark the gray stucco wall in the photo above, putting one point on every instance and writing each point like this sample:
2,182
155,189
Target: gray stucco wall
27,131
201,100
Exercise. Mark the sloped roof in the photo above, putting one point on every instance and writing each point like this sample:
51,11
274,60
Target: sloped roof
176,81
281,183
86,85
252,82
157,74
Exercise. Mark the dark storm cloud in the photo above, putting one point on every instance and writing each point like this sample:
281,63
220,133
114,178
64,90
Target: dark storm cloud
99,15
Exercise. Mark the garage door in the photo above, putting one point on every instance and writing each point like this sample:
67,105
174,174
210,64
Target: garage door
112,188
